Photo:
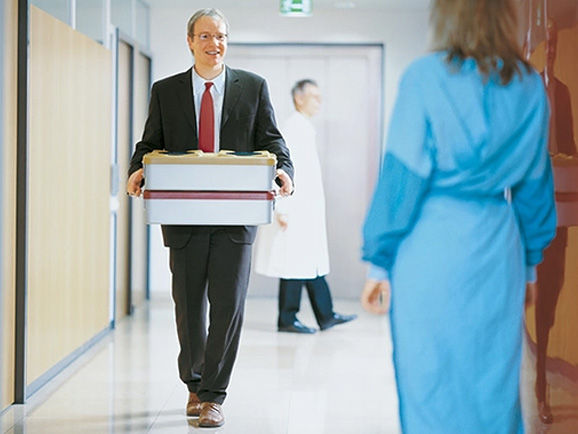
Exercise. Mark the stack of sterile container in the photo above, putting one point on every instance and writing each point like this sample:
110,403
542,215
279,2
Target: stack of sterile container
197,188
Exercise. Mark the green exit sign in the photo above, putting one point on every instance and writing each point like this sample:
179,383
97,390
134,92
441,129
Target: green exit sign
296,8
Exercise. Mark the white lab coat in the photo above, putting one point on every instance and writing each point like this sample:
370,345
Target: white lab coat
299,252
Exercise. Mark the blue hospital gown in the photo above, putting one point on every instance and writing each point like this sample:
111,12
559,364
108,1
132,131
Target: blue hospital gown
463,208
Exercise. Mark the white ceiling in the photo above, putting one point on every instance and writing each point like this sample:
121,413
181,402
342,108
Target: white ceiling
317,4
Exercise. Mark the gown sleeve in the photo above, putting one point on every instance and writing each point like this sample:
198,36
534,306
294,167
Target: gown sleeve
377,273
533,199
404,177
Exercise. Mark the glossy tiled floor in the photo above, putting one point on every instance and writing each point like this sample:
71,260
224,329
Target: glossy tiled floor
337,381
562,394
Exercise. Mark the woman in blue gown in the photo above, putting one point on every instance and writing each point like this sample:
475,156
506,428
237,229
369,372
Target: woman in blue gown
462,210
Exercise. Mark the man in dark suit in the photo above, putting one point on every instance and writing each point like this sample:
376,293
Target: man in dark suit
209,263
551,272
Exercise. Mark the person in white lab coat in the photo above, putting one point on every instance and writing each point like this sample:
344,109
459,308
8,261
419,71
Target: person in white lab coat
294,247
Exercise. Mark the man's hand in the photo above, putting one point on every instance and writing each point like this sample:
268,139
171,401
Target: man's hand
134,182
376,296
282,221
286,183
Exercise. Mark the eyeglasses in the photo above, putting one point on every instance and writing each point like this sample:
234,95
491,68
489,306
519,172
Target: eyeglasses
221,37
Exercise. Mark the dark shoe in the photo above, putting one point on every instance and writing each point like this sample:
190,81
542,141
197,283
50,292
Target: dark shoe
336,319
194,405
211,415
296,327
544,412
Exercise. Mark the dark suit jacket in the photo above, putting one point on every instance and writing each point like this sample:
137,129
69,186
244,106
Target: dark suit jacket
562,123
247,124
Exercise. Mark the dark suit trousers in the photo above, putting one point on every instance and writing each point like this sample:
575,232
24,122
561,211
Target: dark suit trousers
290,299
209,267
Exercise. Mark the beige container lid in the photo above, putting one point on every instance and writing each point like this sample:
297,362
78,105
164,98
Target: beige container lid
223,157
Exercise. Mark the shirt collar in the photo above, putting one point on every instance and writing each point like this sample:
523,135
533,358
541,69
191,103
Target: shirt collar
218,82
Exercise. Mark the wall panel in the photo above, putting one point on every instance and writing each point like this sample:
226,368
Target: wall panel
123,298
68,197
8,79
139,230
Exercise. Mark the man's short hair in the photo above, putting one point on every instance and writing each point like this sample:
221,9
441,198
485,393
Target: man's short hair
300,86
207,12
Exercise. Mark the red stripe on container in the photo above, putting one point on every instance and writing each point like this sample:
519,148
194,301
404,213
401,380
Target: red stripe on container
219,195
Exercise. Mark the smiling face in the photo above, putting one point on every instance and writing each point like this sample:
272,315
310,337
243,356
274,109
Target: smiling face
210,53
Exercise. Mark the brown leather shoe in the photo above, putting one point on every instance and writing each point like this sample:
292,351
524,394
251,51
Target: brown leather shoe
211,415
194,405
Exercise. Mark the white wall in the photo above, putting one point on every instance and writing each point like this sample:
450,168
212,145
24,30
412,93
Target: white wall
404,34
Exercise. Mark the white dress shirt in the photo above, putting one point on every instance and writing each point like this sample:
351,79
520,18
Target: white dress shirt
217,92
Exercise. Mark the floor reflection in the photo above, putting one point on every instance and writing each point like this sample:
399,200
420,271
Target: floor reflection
550,283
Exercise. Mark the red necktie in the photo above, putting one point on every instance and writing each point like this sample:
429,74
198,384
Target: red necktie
207,121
